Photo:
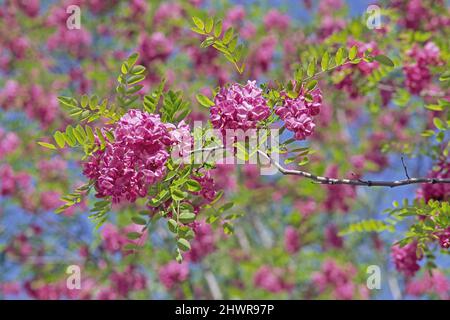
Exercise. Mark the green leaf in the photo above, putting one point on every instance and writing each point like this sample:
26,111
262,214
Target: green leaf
226,207
59,138
353,52
445,76
130,247
132,59
228,36
311,68
134,235
68,101
138,69
193,185
84,101
197,30
438,123
47,145
139,220
173,225
228,228
204,100
183,244
209,24
311,85
124,68
199,23
384,60
135,79
100,137
186,217
90,134
339,56
218,29
325,61
177,194
434,107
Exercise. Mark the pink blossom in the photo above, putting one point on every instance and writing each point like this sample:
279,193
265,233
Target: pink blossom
123,283
7,183
113,239
50,200
297,113
239,107
126,168
275,20
203,243
418,75
305,207
77,41
406,259
337,196
271,279
328,6
429,284
208,191
167,11
330,25
444,238
182,138
235,16
291,240
332,239
338,279
261,58
173,273
436,191
9,142
9,93
10,288
155,47
55,167
29,7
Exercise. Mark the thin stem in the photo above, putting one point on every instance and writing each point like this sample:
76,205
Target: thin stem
358,182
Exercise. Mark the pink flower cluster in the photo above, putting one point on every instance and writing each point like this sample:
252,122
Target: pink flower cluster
298,113
203,243
126,168
274,19
437,283
418,75
338,196
436,191
406,259
271,279
444,238
155,47
34,100
129,280
208,191
114,239
261,59
338,279
332,238
12,182
239,107
291,240
173,273
50,200
9,142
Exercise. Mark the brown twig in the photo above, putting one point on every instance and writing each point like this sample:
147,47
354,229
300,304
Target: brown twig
359,182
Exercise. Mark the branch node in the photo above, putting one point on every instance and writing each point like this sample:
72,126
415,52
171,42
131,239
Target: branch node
406,169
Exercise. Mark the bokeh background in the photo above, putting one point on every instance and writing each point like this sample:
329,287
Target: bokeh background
285,243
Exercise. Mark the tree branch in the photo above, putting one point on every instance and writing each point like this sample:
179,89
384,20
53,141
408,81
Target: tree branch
358,182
